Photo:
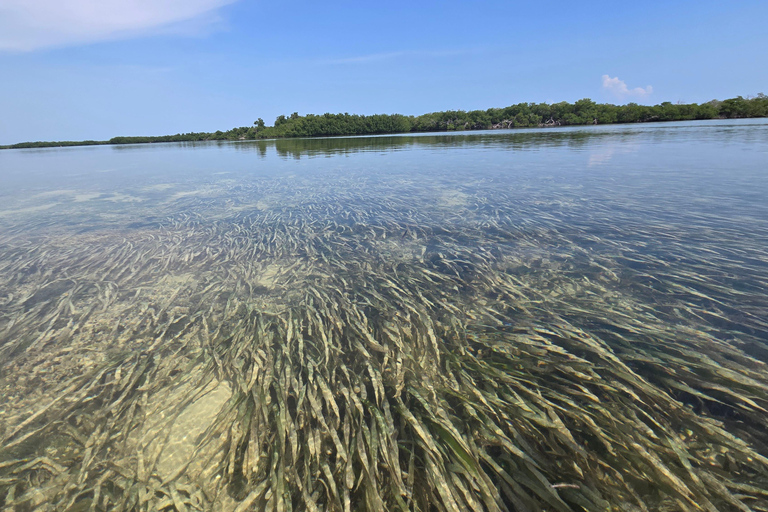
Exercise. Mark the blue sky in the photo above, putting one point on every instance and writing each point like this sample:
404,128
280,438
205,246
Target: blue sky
94,69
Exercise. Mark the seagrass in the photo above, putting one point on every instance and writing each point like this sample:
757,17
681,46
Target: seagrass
350,348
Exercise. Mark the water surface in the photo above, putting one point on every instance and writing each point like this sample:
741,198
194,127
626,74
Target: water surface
559,319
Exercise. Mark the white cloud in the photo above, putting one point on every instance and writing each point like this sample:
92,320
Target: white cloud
31,24
619,88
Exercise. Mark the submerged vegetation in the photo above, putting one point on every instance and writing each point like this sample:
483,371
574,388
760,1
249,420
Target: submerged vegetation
522,115
339,343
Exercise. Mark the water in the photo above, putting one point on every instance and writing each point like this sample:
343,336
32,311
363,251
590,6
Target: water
554,318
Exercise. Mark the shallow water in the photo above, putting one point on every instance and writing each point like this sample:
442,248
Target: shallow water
528,319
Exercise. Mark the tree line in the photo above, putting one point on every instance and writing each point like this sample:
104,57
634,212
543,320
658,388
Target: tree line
522,115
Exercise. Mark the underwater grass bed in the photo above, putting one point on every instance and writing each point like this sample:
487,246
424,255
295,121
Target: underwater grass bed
387,347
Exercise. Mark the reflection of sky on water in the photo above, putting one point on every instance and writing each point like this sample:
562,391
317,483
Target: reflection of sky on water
603,155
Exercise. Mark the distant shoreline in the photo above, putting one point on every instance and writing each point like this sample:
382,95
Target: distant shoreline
523,115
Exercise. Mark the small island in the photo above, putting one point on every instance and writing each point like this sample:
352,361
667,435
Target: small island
521,115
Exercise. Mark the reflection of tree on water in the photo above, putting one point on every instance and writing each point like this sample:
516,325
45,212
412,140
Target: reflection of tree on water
296,148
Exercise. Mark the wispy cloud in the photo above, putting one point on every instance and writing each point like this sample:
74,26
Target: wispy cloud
363,58
27,25
373,57
619,88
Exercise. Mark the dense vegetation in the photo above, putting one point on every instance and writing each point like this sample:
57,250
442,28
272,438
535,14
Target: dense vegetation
59,143
522,115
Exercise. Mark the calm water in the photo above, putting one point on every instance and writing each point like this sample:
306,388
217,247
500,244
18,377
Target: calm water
389,321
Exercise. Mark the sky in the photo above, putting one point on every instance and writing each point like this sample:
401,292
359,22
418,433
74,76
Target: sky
95,69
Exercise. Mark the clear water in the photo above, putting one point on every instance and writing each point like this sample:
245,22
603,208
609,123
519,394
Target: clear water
651,239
